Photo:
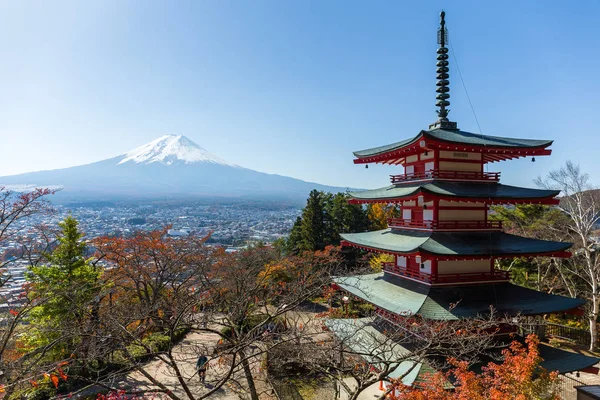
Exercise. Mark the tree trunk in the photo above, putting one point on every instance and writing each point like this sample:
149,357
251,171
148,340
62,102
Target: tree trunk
248,375
594,317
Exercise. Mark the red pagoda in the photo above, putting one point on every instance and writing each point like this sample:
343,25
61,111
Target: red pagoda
444,246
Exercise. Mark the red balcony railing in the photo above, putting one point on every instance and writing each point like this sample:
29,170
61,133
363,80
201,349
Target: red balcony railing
394,269
463,277
447,175
444,225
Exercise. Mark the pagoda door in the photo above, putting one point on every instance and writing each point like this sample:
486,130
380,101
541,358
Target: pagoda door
413,264
417,216
420,170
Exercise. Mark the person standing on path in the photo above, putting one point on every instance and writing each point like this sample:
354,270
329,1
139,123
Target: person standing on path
201,366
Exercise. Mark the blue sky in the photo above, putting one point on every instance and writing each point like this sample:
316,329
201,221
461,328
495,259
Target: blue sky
292,87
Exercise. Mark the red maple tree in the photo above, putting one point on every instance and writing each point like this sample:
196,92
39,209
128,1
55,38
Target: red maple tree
518,377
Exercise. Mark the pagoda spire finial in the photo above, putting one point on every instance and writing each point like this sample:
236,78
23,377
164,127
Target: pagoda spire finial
443,91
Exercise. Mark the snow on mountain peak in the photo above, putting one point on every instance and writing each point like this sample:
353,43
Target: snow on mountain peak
169,149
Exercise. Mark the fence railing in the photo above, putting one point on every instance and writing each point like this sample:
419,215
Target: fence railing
549,330
447,175
496,275
566,387
444,225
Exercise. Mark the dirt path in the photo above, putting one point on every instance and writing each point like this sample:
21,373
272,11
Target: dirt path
186,353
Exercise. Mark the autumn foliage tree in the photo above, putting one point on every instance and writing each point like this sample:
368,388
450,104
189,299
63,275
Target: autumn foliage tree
380,213
157,286
16,210
518,377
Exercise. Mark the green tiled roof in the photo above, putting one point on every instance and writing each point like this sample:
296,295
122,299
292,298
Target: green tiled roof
460,137
401,296
364,337
376,290
361,337
455,189
453,243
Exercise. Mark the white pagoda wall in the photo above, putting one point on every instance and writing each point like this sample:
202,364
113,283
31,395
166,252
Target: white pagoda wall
459,266
462,215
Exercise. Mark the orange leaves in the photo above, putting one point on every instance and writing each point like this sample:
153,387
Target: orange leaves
14,313
61,374
517,377
54,380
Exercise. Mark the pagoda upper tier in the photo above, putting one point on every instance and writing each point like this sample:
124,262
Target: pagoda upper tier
440,141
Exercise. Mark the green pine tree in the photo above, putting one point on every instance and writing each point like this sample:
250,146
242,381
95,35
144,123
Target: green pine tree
65,290
313,222
292,245
325,216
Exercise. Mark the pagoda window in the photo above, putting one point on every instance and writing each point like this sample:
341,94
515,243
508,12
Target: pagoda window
425,266
407,214
428,215
409,169
401,261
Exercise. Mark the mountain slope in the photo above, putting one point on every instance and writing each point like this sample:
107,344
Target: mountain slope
171,167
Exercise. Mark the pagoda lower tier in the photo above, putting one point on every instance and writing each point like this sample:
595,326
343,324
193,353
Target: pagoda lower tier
366,335
484,192
408,298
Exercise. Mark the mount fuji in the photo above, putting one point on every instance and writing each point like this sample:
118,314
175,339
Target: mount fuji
171,167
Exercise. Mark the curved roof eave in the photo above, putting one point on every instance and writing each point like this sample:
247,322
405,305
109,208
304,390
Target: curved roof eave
455,244
493,191
457,137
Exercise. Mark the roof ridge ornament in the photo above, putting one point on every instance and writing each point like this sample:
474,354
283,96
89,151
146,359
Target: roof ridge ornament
442,79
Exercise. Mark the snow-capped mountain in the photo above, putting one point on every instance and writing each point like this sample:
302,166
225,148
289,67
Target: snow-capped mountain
169,149
170,167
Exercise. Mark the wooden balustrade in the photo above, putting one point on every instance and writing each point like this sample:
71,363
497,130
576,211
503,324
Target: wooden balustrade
463,277
447,175
444,225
